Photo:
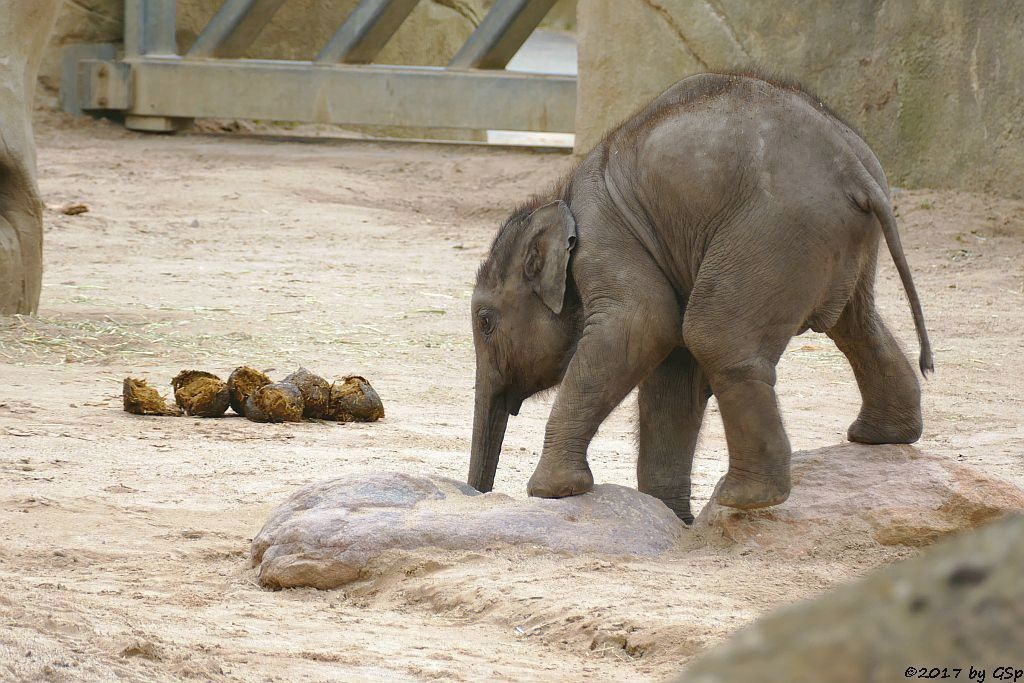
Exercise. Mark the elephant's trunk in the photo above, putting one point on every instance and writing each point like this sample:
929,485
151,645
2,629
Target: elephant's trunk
490,417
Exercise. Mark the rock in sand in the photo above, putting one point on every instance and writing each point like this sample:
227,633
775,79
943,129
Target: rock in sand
851,495
327,532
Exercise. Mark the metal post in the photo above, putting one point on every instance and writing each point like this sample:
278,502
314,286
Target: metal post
149,28
149,31
366,31
500,35
234,28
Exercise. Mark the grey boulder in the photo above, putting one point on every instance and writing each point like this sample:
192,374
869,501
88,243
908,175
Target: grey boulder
327,532
960,605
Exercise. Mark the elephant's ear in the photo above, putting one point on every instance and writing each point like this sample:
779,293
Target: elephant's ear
551,238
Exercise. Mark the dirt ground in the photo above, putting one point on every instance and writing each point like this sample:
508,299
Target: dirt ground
124,551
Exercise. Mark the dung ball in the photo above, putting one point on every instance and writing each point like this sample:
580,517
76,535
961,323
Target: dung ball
242,382
201,394
316,392
141,399
354,400
275,402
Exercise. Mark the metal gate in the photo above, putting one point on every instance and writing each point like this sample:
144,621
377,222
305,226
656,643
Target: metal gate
159,90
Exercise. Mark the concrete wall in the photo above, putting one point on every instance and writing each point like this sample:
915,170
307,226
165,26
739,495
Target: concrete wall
561,17
936,87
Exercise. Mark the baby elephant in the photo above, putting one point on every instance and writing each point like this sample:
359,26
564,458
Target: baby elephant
682,255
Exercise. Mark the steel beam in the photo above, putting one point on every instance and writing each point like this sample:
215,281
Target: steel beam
501,33
149,27
156,124
366,31
234,28
428,97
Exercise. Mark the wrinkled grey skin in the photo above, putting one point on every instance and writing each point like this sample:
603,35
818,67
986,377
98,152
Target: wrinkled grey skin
681,256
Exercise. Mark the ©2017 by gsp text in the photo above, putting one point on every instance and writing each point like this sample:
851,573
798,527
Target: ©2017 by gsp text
970,673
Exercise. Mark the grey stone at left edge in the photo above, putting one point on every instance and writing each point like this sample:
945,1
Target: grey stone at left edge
24,27
327,532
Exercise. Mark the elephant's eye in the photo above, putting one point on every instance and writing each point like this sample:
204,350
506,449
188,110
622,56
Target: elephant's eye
487,320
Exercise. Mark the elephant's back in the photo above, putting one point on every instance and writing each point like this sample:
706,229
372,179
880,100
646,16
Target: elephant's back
728,155
713,141
712,101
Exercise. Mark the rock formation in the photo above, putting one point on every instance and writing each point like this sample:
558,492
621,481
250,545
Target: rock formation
957,606
934,87
24,27
326,533
851,495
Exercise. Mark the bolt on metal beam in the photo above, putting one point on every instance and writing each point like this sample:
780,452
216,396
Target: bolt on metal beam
72,80
234,28
501,33
149,28
100,84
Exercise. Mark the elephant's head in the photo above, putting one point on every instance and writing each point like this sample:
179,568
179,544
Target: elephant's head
525,324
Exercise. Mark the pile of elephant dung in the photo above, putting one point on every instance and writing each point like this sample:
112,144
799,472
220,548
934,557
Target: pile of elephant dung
242,383
276,402
252,394
354,400
316,392
141,399
200,394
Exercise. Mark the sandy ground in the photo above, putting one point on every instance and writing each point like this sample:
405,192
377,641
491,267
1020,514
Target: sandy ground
124,540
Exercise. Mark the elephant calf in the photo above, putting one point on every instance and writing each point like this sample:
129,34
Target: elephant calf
682,255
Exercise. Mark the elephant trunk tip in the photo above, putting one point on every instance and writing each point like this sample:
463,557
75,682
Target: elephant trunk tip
489,422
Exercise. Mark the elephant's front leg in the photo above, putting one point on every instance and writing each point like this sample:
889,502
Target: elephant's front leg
671,401
618,348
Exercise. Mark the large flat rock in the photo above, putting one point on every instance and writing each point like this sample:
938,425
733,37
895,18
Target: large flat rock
327,532
845,499
850,496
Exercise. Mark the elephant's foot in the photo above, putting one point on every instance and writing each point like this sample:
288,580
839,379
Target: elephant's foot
875,431
748,490
677,504
681,508
560,481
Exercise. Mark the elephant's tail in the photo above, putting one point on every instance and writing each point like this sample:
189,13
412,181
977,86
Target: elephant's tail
879,205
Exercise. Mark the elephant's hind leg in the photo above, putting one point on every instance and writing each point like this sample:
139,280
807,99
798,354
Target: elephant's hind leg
740,317
759,450
671,403
890,394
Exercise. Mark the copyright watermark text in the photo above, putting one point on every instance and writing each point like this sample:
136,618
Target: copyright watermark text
971,673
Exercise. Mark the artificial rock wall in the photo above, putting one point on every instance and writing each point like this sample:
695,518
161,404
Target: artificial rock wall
936,87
